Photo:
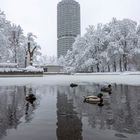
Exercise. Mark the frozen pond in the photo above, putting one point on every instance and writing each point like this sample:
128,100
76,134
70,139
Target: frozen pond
59,113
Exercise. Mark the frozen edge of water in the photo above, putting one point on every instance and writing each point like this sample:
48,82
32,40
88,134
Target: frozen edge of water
67,79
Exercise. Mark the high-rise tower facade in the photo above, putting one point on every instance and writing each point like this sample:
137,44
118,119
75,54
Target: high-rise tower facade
68,25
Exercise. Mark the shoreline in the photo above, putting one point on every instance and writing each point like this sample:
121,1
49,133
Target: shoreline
67,79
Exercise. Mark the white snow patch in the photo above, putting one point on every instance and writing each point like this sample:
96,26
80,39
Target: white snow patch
28,69
67,79
31,68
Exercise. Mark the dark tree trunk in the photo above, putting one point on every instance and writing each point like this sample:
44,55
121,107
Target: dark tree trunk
98,67
108,68
125,57
26,59
114,66
15,55
120,64
125,62
92,69
31,53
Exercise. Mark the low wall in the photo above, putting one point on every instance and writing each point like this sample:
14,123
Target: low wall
20,74
55,73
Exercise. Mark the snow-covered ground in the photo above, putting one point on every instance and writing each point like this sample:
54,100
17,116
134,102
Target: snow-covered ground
112,73
27,69
123,78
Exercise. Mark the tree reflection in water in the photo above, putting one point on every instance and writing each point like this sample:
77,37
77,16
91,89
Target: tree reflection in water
12,107
75,120
30,106
127,114
121,111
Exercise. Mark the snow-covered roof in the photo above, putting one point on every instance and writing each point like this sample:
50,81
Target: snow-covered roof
32,68
8,64
51,65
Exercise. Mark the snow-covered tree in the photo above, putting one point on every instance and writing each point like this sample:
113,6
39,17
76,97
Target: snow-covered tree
47,60
4,42
123,33
32,48
16,38
114,46
14,44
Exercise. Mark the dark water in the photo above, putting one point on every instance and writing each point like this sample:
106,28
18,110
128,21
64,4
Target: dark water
60,114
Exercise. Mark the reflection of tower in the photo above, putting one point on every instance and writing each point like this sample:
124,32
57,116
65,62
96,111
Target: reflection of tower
68,25
69,124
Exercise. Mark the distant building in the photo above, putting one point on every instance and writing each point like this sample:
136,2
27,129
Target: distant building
68,25
51,68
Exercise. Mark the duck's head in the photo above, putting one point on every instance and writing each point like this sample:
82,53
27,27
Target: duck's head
109,86
100,95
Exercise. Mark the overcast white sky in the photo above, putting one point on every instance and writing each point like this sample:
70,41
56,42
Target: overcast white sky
39,16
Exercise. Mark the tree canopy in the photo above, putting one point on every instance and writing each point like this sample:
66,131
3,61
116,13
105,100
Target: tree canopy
114,46
14,44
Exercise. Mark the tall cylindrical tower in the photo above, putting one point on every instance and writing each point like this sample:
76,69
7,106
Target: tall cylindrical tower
68,25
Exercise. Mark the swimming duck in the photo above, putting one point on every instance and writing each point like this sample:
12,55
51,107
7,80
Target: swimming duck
94,99
107,89
73,85
30,98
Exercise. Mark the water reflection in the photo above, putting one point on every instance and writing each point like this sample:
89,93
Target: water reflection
12,107
61,112
69,125
120,113
127,114
30,104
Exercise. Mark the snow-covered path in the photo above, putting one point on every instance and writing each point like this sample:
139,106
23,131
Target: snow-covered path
66,79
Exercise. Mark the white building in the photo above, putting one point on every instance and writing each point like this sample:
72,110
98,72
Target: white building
51,68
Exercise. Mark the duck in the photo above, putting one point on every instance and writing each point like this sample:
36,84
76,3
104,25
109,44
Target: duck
73,85
94,99
107,89
30,98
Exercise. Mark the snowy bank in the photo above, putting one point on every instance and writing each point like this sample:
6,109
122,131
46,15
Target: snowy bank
111,73
33,69
29,71
67,79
